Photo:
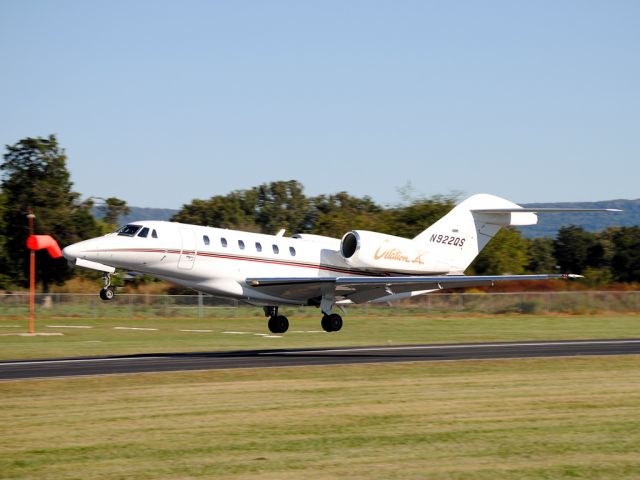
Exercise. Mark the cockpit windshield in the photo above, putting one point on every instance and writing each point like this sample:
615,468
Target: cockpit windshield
128,230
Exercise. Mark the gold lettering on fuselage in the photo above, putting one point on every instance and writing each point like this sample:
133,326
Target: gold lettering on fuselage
395,254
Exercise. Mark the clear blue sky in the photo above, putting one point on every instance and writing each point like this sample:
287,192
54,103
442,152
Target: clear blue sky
160,102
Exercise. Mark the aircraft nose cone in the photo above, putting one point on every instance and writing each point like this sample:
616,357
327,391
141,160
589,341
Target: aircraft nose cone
71,252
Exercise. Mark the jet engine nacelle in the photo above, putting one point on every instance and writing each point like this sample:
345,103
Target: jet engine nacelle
378,251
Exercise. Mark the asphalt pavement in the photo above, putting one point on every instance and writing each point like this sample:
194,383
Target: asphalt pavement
166,362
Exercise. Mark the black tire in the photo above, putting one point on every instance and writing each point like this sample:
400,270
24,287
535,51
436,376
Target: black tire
273,328
107,293
278,324
335,322
326,325
283,323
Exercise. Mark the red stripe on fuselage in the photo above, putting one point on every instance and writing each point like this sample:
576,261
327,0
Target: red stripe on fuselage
245,259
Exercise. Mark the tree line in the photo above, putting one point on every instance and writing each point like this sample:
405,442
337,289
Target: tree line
35,176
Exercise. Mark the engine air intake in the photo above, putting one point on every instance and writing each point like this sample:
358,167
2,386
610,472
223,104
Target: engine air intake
349,244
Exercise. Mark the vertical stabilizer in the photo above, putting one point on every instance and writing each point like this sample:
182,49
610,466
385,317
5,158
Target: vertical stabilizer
458,237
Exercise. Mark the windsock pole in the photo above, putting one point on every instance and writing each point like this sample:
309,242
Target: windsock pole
32,279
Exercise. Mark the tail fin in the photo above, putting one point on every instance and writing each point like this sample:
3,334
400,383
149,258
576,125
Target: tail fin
458,237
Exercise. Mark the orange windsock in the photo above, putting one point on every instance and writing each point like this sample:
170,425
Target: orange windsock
38,242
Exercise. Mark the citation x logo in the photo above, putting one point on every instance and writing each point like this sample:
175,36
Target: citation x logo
396,254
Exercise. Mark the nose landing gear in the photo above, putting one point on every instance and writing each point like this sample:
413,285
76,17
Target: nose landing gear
108,292
331,323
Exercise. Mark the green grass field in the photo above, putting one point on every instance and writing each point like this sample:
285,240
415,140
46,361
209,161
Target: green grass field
503,419
362,327
509,419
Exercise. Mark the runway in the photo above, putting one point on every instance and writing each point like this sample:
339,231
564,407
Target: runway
166,362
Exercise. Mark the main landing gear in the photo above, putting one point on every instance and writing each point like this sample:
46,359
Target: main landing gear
108,291
280,323
331,323
277,323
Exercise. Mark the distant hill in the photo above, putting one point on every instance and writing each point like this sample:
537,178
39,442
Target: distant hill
139,213
547,227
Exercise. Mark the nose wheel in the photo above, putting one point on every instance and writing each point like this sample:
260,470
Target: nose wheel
331,323
108,292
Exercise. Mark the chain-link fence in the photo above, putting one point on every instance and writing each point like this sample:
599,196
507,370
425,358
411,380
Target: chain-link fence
531,302
123,305
143,306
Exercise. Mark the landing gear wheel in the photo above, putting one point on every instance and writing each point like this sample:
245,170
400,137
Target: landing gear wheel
331,323
325,323
278,324
107,293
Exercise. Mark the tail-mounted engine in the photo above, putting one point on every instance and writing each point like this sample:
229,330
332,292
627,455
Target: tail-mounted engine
377,251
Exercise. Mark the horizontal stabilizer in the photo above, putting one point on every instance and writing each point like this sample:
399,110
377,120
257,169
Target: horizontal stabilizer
543,210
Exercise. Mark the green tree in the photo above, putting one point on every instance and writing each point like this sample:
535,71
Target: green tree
597,276
576,249
335,215
410,220
282,205
112,209
541,259
35,177
235,210
507,253
625,262
5,280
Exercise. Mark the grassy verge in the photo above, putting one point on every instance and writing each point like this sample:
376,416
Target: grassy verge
371,327
508,419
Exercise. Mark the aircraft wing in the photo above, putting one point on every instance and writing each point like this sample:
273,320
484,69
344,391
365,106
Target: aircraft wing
366,289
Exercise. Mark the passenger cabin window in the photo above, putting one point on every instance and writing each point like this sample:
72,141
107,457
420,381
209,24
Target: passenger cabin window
276,250
241,244
128,230
292,251
205,239
258,247
223,241
144,232
154,234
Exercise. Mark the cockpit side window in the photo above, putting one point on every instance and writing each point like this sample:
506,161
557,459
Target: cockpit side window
154,234
129,230
144,232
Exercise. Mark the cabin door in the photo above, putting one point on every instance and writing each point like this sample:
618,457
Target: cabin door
189,249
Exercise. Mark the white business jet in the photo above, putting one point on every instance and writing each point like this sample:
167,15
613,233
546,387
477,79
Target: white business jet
274,270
